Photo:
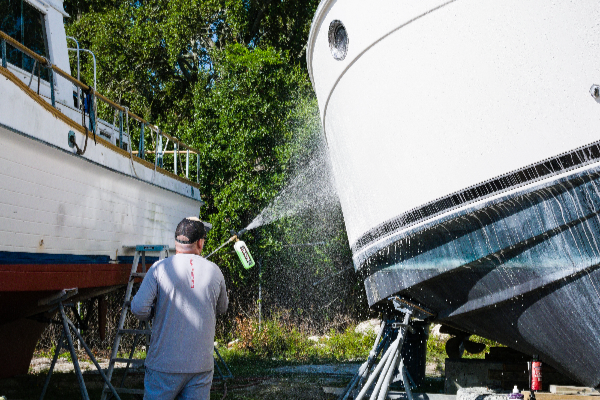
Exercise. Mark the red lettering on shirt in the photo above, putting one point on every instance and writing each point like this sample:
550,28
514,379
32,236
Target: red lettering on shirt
192,264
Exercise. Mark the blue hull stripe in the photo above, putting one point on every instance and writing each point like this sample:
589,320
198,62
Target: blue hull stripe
10,257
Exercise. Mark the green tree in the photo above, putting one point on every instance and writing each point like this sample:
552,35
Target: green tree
229,78
242,127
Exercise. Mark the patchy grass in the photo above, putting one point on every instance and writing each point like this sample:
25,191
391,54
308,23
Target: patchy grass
277,341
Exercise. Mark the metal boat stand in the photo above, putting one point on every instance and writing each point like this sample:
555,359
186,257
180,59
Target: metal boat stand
387,346
223,364
57,301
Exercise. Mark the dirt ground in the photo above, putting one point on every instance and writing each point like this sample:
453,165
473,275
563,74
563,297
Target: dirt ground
64,386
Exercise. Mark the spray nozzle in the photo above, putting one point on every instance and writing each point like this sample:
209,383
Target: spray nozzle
237,235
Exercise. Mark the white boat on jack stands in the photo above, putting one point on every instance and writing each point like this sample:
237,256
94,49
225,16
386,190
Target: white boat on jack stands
464,144
72,198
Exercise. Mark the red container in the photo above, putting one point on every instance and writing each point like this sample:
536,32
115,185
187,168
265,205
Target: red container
536,375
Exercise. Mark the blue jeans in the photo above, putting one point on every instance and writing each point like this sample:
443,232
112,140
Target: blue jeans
169,386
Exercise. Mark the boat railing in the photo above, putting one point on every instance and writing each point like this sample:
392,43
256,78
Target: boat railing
162,149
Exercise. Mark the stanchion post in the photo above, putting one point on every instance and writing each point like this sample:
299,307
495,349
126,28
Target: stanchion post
141,150
4,53
51,78
121,129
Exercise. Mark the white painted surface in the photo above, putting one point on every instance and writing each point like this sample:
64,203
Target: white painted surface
91,204
426,104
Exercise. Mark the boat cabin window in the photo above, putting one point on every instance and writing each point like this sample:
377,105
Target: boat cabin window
25,24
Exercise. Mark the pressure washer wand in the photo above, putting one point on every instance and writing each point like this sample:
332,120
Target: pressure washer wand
233,238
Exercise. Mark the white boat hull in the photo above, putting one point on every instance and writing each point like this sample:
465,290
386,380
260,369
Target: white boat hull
54,201
464,145
66,220
434,97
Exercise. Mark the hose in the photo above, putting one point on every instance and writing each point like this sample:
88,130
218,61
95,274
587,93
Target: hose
72,139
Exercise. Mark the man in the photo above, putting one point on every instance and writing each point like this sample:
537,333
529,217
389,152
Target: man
187,292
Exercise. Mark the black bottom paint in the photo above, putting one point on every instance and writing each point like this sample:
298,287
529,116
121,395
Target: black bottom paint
521,270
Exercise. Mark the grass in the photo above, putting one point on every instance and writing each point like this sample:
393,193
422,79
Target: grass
277,341
282,344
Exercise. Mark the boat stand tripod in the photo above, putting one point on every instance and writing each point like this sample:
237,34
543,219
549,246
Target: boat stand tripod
67,325
387,346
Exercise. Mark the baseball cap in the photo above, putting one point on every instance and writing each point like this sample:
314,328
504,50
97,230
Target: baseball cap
191,229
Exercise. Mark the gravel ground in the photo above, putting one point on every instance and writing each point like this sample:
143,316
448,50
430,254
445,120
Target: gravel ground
40,364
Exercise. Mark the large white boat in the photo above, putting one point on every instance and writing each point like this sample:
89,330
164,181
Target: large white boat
74,198
464,143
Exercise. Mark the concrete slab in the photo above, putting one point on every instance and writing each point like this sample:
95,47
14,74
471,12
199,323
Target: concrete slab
479,393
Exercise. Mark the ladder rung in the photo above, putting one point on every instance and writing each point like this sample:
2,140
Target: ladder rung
136,331
138,274
138,361
151,247
125,390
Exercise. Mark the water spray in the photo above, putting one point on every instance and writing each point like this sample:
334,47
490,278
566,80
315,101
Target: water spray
240,248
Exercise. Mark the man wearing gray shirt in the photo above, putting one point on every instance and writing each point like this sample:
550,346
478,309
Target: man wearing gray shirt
187,292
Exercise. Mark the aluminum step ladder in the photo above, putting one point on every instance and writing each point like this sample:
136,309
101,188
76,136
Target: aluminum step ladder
144,328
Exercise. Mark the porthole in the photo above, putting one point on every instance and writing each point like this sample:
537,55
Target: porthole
338,40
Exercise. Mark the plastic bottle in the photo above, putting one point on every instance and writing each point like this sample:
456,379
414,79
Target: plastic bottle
516,394
244,254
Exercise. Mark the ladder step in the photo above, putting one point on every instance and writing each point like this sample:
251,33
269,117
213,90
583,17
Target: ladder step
137,361
125,390
135,331
138,274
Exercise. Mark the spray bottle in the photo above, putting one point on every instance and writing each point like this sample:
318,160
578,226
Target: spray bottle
242,250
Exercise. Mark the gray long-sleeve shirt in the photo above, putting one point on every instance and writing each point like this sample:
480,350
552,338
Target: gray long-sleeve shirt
189,291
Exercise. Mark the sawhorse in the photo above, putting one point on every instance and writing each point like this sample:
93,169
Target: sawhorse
57,302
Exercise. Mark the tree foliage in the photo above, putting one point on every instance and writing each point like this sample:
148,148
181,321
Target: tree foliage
225,76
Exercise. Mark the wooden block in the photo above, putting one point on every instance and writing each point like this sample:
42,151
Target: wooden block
571,390
553,396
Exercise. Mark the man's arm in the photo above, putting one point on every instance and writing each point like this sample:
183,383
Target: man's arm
141,305
223,300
